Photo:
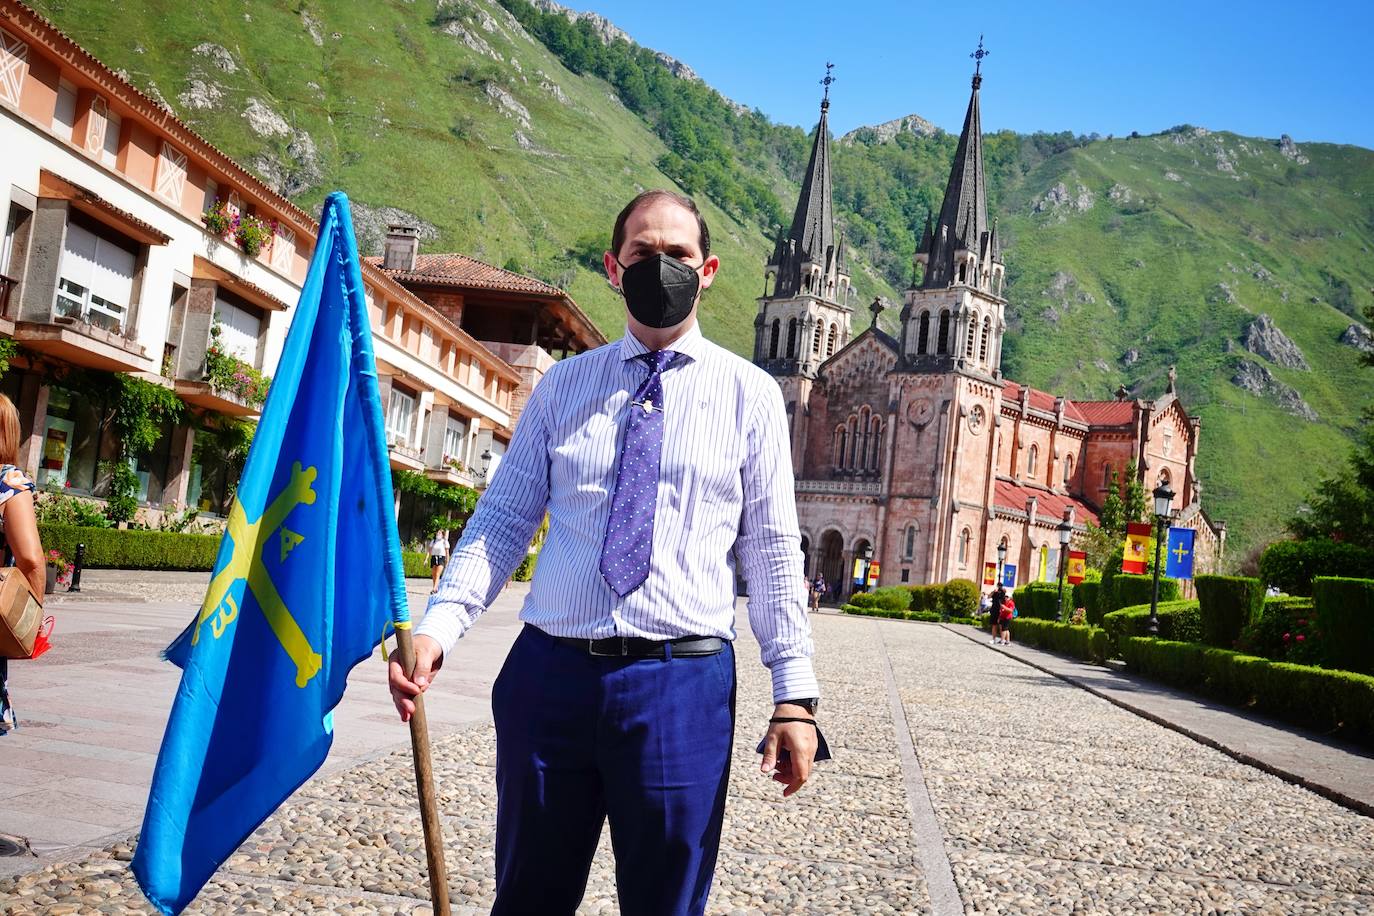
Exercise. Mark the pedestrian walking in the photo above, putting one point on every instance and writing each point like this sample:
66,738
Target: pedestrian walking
1007,615
999,598
818,588
438,557
657,458
23,548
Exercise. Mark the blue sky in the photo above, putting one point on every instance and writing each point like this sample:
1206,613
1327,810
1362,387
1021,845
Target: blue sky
1260,69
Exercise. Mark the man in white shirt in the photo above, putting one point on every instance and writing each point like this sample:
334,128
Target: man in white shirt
662,461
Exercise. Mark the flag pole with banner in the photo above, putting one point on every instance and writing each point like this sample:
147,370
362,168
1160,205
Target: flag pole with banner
308,580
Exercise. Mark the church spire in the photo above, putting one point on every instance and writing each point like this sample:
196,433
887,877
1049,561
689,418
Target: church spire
963,219
813,224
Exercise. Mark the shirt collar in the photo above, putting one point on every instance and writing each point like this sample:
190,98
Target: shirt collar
691,344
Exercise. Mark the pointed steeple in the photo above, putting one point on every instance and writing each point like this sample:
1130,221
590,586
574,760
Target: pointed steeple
964,214
813,224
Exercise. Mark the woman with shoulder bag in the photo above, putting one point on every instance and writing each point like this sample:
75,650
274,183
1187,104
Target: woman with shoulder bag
21,530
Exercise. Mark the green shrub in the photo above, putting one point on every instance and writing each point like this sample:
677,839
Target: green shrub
1178,620
1087,595
1292,565
416,564
1228,604
924,598
1087,643
1313,697
862,599
959,598
114,548
525,571
927,616
890,613
1040,600
1131,590
1284,632
892,597
967,621
1345,620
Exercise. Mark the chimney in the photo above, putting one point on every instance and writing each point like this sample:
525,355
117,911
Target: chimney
402,247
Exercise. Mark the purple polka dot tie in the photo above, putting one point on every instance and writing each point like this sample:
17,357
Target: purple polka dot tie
630,529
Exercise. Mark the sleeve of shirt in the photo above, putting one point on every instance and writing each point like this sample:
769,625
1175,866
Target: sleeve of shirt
769,552
498,535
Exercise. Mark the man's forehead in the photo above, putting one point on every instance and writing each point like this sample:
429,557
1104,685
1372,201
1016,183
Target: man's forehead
663,220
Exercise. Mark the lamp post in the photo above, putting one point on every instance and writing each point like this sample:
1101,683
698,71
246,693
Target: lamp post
1001,561
1065,535
867,556
486,465
1164,497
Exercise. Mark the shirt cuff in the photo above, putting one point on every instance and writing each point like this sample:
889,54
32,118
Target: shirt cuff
445,623
794,679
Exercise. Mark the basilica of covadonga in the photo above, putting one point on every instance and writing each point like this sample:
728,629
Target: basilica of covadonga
915,448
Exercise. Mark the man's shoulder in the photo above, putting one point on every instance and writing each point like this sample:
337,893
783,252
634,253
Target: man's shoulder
573,367
736,367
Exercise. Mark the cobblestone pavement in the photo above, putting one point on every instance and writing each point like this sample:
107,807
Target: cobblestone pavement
1048,800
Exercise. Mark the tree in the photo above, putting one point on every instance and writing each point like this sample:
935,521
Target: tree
1113,514
1342,506
1135,503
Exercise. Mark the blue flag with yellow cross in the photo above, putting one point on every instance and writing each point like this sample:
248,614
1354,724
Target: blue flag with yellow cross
307,582
1180,553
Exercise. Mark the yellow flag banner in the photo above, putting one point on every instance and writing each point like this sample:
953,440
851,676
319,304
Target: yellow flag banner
1136,549
1078,566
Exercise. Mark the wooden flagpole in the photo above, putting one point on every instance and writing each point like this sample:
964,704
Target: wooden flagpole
424,782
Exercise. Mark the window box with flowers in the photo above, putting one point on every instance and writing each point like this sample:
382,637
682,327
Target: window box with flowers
247,231
227,373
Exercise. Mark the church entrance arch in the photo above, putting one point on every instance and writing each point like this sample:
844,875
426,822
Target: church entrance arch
861,547
832,562
806,556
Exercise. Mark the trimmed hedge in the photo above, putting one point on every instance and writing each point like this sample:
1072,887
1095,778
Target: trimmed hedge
1282,631
1292,565
1087,643
1229,604
1345,618
113,548
925,598
1180,620
1314,697
525,571
1087,595
959,598
1131,590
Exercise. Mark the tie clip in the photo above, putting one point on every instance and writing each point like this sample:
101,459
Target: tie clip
647,406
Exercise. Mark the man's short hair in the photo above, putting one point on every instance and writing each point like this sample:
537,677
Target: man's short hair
644,197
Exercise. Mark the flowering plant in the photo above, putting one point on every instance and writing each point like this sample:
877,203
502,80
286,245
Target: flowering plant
251,233
226,372
218,219
59,562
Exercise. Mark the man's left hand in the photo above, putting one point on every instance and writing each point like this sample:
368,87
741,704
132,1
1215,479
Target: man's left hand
798,739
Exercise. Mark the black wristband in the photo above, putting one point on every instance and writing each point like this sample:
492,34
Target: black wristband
779,719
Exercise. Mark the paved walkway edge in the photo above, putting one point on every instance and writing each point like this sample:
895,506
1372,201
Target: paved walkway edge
1362,806
925,828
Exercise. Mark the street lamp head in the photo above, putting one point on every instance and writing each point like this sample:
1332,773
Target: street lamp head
486,461
1065,533
867,552
1001,554
1164,498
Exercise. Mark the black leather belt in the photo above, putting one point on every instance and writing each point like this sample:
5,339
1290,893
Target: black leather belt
639,647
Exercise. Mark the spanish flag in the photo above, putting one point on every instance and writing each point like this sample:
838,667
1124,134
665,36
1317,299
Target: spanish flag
1136,549
1078,566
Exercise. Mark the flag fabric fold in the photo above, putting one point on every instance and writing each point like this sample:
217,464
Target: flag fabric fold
1136,551
1077,566
307,581
1179,549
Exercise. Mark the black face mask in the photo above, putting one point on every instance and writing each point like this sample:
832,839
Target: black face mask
659,290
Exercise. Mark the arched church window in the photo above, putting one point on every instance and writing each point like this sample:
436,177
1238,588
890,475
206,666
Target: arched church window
791,338
942,341
963,271
923,336
1068,469
983,346
773,339
876,453
972,335
1165,477
910,546
1032,461
865,441
851,460
816,339
1106,475
830,340
963,547
840,442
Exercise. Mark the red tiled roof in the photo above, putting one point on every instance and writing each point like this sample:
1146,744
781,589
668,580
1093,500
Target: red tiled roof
461,270
1107,413
1041,400
1049,506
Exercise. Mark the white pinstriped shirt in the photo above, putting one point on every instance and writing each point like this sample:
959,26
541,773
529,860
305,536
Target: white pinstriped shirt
725,497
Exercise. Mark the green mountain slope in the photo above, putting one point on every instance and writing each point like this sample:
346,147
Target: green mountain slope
1125,256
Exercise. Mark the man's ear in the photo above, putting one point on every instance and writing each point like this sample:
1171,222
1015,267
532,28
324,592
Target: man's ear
708,270
612,269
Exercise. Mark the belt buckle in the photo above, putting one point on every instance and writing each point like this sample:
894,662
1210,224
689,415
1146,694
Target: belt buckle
624,648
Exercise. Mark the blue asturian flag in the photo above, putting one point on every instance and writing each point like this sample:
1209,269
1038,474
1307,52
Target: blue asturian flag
1008,575
1180,552
307,581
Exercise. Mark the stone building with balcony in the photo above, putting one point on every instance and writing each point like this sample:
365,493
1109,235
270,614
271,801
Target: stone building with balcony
914,450
107,265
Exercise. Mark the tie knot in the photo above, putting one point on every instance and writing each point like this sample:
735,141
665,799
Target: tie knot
659,360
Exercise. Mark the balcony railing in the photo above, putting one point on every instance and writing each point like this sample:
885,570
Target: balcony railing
847,487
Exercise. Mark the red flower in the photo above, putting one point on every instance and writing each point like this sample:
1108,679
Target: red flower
1301,638
1302,623
1287,636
